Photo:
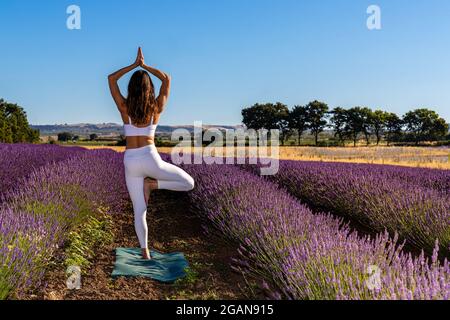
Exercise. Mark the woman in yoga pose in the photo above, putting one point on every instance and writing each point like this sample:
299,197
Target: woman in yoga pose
144,169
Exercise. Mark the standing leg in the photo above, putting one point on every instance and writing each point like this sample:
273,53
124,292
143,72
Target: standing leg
135,187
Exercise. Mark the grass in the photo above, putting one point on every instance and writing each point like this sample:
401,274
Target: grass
186,288
93,233
192,275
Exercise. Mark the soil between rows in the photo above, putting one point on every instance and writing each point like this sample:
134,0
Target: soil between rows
172,227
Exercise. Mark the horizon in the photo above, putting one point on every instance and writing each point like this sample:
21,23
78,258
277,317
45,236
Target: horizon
121,124
227,54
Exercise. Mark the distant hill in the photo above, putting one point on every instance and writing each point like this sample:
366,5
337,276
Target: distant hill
109,129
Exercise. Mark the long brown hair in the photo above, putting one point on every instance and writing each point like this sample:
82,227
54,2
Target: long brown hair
141,101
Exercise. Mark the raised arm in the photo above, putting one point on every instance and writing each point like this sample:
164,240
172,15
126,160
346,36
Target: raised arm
114,77
164,92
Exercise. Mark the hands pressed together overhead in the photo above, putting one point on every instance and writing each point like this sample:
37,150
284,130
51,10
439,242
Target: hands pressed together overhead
164,77
140,58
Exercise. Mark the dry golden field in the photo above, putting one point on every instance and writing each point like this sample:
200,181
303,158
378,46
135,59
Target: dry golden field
403,156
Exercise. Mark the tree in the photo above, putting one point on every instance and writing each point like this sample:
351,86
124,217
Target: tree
377,122
267,116
65,136
393,127
122,141
33,136
365,117
439,130
93,137
5,129
338,120
255,116
317,112
280,120
14,126
424,125
355,124
298,120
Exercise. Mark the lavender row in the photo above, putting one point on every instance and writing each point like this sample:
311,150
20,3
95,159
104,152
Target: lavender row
378,198
36,216
296,254
435,179
18,160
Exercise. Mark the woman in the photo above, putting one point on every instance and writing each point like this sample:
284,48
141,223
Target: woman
144,169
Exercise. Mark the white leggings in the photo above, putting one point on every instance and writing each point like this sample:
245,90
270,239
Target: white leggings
146,162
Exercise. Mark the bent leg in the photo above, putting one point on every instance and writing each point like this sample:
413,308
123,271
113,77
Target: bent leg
168,176
171,177
135,187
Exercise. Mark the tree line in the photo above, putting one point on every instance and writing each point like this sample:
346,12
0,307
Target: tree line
14,126
68,136
351,124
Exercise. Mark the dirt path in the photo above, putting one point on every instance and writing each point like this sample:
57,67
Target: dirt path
172,227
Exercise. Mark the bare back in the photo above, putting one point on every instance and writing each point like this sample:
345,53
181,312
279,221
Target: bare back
134,142
138,141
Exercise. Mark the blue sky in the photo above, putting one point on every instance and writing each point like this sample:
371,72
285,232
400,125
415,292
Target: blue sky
224,55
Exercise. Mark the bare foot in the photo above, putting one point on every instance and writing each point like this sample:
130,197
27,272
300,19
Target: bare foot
146,254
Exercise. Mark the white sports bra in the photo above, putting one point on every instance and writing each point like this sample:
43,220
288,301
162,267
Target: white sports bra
133,131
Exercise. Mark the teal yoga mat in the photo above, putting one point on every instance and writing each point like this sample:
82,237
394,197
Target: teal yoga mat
164,267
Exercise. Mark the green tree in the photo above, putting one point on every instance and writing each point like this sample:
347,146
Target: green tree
424,125
317,112
356,123
298,120
366,116
93,137
439,130
65,136
338,122
14,126
280,120
393,127
122,141
267,116
255,116
377,122
5,129
33,136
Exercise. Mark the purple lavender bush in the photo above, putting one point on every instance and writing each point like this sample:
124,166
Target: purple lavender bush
19,160
296,254
436,179
36,217
27,243
411,202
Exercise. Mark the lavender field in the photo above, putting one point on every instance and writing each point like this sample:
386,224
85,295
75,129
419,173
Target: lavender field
299,254
412,202
46,192
298,233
